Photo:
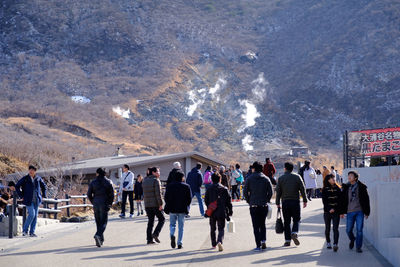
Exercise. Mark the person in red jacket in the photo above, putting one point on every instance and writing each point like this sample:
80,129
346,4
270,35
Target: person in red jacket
269,170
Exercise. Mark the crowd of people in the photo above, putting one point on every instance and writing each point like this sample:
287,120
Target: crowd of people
222,187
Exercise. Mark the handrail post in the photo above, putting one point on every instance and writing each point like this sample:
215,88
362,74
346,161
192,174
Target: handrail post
67,197
23,215
84,202
10,221
55,213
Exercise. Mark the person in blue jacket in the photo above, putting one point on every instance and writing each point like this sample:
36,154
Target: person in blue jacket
195,181
32,190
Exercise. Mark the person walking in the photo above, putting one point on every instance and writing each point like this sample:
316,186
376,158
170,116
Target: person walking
237,179
153,204
357,207
333,204
138,192
218,194
269,170
258,192
195,180
178,197
320,184
32,189
310,179
126,186
171,176
333,171
224,177
101,195
288,187
207,177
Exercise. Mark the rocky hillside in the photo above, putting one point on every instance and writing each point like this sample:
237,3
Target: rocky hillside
231,78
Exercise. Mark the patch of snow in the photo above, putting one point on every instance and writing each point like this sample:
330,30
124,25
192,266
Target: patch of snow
124,113
80,99
251,55
246,142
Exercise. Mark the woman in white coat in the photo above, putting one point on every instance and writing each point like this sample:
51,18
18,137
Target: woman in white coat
310,180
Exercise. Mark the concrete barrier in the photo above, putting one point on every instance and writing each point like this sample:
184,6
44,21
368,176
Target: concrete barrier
17,225
382,227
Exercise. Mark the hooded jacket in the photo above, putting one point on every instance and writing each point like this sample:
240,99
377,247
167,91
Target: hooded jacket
224,205
195,180
101,192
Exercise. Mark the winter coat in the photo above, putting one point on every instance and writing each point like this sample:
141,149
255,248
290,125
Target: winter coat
325,172
332,198
269,171
224,204
224,179
258,189
26,188
152,192
178,197
195,180
319,180
310,178
138,189
362,195
101,192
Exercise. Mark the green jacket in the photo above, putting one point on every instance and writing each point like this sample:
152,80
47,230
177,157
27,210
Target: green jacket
288,187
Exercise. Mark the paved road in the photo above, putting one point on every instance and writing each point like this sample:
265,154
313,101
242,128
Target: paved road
73,245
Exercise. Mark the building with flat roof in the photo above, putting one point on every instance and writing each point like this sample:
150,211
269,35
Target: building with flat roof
138,165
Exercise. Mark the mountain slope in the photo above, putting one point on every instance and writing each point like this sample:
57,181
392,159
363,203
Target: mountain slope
232,78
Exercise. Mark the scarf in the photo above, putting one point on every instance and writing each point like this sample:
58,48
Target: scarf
353,191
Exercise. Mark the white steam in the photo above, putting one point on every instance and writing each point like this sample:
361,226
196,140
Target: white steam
124,113
250,114
199,96
80,99
246,142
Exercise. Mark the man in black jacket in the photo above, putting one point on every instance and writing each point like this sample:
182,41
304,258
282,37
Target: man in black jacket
258,193
195,180
220,194
101,195
177,201
356,206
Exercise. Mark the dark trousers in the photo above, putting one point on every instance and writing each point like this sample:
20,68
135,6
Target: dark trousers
235,192
214,222
335,219
291,210
309,193
151,213
101,218
258,217
126,194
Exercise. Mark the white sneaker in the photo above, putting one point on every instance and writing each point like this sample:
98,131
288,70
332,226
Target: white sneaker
131,216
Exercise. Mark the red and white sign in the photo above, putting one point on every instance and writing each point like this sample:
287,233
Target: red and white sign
380,142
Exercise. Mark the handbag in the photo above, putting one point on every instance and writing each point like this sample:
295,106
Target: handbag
211,208
279,229
125,183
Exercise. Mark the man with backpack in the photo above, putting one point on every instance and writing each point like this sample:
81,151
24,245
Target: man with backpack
219,208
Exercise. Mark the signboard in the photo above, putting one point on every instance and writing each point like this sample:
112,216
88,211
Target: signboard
372,143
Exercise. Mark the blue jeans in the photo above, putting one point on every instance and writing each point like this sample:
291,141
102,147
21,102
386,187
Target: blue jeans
172,225
198,196
358,218
33,212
